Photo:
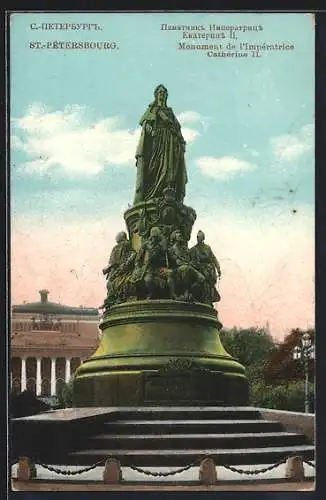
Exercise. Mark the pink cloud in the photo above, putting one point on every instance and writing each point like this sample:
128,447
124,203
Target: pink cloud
268,273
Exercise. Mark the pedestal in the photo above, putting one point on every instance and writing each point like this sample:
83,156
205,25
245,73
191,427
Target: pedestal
156,352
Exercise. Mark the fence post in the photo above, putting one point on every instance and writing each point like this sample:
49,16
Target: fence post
26,469
294,469
207,471
112,471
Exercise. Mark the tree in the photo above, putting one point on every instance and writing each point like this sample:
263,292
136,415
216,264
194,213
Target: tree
26,403
281,366
275,379
65,395
285,396
251,346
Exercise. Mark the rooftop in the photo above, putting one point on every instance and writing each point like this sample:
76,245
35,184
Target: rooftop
45,306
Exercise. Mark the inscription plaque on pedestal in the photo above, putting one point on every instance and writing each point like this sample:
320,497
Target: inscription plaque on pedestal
182,388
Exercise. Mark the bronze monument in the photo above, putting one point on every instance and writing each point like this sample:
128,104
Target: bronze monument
160,341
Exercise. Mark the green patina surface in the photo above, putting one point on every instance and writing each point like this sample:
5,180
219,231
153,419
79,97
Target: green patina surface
160,340
160,351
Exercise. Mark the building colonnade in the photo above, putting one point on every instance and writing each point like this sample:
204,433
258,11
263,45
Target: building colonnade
41,375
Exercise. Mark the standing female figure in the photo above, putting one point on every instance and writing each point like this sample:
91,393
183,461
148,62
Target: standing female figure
160,153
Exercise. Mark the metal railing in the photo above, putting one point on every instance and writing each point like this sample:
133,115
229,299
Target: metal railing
197,462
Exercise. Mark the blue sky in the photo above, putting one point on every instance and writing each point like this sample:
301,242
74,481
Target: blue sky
246,102
248,122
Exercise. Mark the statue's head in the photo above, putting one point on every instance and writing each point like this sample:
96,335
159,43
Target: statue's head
200,236
178,236
122,236
172,238
161,95
155,232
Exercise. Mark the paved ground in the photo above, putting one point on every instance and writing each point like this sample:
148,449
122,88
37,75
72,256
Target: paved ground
254,486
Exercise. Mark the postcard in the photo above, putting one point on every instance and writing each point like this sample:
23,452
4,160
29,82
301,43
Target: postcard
162,233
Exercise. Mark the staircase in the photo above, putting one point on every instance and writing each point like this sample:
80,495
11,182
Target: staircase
173,436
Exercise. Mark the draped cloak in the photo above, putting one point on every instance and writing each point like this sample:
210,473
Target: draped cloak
160,155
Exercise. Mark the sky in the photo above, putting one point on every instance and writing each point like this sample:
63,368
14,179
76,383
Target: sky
249,127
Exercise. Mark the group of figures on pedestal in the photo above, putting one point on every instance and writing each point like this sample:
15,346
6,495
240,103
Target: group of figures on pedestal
162,268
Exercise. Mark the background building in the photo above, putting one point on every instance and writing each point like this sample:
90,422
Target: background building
48,342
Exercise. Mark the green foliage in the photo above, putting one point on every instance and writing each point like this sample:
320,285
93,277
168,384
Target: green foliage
256,350
281,366
286,396
251,346
65,395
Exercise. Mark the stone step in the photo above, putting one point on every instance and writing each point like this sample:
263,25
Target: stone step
194,441
183,413
171,457
188,426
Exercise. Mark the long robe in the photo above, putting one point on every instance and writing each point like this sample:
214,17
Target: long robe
160,155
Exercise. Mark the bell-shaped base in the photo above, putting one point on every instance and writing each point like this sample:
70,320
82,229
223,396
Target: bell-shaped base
160,352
